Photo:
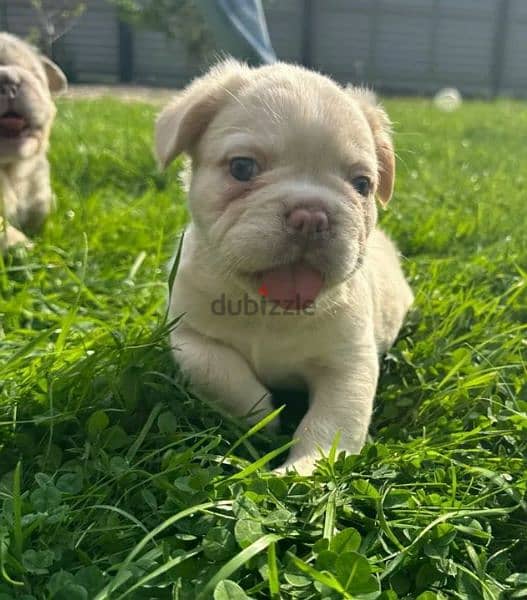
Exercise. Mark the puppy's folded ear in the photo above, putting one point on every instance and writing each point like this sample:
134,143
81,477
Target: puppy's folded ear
382,134
57,81
183,121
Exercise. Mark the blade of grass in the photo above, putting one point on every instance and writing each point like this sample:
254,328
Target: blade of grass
274,581
237,562
17,512
261,462
150,536
159,571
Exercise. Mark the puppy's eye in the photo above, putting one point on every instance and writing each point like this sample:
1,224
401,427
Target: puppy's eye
362,185
243,168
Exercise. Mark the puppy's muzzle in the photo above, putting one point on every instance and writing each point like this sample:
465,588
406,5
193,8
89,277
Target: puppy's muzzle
9,83
307,221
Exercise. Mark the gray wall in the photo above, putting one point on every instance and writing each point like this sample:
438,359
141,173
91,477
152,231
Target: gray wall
414,46
91,48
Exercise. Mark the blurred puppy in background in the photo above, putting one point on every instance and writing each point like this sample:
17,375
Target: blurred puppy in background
284,278
26,115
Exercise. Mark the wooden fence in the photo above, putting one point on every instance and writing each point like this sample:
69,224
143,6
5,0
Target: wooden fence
404,46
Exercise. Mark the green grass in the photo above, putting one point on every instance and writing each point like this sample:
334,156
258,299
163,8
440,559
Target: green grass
116,482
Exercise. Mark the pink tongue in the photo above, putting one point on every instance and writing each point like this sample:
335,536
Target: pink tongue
12,125
292,286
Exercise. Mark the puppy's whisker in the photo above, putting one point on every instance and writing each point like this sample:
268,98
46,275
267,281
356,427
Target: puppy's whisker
235,98
275,116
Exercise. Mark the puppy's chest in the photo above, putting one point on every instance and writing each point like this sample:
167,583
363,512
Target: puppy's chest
279,351
281,357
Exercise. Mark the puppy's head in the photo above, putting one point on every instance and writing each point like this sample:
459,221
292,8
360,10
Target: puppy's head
26,108
286,165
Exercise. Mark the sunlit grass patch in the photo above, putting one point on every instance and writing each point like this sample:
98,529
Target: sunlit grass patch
118,483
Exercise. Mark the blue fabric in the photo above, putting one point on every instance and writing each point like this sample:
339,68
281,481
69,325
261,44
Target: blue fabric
240,28
248,19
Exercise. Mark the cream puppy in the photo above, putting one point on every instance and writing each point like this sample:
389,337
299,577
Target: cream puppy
26,114
284,279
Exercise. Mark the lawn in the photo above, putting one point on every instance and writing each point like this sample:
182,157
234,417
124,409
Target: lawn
116,482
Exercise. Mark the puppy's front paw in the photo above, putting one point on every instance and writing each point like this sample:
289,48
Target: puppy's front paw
304,465
13,237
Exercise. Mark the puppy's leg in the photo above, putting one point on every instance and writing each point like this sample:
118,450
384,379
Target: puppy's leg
37,213
9,235
36,200
221,373
341,403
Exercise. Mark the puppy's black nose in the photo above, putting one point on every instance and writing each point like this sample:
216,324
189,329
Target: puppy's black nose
9,83
307,221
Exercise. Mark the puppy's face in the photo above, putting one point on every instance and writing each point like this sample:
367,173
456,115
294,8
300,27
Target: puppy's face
26,107
285,168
